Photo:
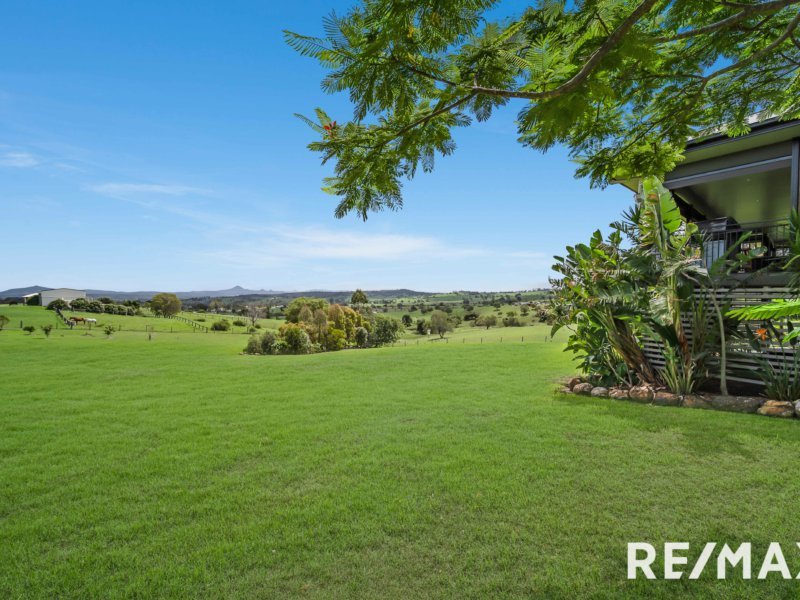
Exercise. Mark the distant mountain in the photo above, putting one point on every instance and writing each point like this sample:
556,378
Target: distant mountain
19,292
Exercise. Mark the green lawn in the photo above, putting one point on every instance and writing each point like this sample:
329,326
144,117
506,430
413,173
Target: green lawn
177,467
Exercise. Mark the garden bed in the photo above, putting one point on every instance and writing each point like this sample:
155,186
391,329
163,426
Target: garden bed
662,397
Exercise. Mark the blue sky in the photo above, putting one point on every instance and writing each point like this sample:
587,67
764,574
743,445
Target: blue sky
151,145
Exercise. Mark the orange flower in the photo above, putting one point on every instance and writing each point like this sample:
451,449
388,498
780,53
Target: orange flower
761,333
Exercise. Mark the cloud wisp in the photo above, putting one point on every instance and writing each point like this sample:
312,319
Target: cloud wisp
121,189
19,160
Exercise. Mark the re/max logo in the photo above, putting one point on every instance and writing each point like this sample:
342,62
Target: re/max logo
642,555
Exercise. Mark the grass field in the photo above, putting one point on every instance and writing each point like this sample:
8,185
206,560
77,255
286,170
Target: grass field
177,467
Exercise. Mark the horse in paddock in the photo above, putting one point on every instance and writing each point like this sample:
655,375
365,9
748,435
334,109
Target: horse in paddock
91,320
77,320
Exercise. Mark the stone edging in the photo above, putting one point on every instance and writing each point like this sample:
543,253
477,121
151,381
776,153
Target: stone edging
647,395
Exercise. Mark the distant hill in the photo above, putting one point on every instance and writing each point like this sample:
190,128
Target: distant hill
234,292
19,292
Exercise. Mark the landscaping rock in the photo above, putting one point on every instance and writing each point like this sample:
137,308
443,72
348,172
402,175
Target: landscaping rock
665,398
600,392
696,401
743,404
777,408
618,394
797,408
573,382
641,393
583,388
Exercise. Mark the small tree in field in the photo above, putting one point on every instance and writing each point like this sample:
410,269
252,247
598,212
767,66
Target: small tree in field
486,321
407,321
254,313
47,329
440,323
165,305
3,321
108,330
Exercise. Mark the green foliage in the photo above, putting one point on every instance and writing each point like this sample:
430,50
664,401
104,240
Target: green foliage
239,323
422,327
79,304
3,321
34,300
362,337
108,330
29,329
486,320
621,84
165,305
407,320
296,339
777,309
221,325
384,331
46,329
295,307
335,339
58,304
614,296
440,323
253,345
359,298
94,306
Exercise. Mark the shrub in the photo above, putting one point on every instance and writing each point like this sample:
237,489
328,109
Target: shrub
3,320
240,323
201,319
362,337
511,322
108,330
257,325
79,304
47,329
251,330
384,331
422,327
57,304
221,325
29,328
336,339
253,345
407,321
297,340
94,306
269,343
34,300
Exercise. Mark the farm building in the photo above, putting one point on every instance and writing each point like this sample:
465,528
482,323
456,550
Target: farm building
66,294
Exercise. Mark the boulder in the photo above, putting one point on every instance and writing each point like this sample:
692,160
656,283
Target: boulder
665,398
743,404
777,408
696,401
583,388
797,408
573,382
600,392
618,393
641,393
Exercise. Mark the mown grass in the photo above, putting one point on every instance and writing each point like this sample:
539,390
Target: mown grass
177,467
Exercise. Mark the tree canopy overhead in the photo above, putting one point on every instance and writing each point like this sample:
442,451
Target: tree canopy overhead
621,83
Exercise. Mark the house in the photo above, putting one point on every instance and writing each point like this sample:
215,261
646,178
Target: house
735,186
66,294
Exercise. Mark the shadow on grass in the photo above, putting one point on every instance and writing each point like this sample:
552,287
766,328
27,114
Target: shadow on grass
705,432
